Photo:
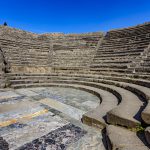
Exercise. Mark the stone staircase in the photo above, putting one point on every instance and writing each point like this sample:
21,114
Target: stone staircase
141,61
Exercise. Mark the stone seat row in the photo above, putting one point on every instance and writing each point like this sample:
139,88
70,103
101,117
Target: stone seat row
119,42
116,39
127,113
118,58
127,32
23,42
92,70
122,47
130,39
98,54
105,50
103,65
89,79
121,61
18,83
119,73
116,55
120,51
129,87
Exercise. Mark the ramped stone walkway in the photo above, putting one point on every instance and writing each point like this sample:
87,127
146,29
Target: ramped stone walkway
47,119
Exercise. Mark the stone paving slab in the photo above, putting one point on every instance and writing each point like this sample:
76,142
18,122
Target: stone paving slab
32,130
93,140
69,110
30,124
56,140
7,95
90,104
123,139
20,112
19,106
26,92
74,98
13,100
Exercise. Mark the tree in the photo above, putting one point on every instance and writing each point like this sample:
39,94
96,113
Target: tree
5,23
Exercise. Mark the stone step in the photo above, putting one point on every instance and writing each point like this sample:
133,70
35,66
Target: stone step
140,91
89,73
118,77
115,58
145,64
124,42
124,113
122,139
120,51
109,69
147,134
123,49
75,113
138,37
134,36
95,117
124,46
116,55
118,66
127,44
142,69
103,49
129,78
139,85
121,61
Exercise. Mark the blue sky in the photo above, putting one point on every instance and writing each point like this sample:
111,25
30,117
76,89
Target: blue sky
73,16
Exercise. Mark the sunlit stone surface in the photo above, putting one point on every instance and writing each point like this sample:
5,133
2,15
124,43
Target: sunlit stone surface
47,118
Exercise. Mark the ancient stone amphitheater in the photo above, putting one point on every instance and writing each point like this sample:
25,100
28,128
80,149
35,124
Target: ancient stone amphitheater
75,91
